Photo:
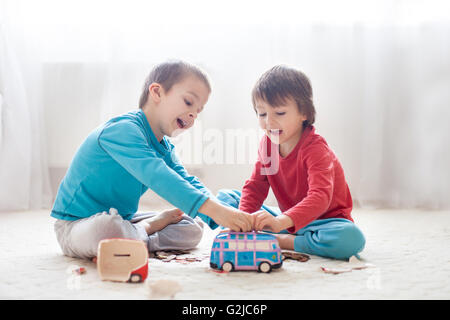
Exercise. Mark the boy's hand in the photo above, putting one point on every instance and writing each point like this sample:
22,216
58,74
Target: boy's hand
251,219
234,219
227,217
265,221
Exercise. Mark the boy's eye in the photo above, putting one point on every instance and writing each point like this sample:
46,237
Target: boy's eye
187,102
281,113
262,115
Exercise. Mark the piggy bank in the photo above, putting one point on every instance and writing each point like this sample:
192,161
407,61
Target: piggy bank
122,260
233,251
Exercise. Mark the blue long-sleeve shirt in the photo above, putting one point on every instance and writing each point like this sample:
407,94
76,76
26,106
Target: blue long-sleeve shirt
116,165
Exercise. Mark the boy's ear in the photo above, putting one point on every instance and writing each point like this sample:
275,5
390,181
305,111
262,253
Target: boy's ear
155,91
303,116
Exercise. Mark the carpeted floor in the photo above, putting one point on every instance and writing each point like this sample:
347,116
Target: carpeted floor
409,251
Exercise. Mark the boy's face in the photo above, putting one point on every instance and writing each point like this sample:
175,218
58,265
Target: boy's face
179,107
282,124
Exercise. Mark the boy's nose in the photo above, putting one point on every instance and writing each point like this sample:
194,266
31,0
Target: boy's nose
193,115
270,122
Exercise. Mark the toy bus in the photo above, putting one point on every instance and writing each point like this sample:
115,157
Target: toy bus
245,251
122,260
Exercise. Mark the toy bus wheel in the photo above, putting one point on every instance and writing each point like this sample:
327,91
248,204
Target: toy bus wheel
135,278
264,267
227,266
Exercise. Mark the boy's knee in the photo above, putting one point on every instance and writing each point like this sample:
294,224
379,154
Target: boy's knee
350,241
193,235
229,197
195,240
183,235
110,226
86,235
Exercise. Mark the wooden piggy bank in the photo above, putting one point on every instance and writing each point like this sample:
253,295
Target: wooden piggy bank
122,260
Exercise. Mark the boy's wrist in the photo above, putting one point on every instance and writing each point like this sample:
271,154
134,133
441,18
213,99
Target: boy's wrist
285,221
210,208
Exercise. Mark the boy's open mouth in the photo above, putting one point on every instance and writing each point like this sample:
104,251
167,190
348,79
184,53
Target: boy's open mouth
181,124
275,132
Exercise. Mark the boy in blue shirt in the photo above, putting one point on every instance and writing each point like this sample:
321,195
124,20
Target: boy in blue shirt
98,197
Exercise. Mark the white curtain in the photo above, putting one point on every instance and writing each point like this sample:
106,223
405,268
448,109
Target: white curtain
380,72
24,179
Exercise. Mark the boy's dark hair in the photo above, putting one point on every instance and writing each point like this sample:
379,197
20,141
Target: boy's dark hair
169,73
281,83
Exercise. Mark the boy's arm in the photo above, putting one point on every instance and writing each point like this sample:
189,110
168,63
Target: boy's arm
227,216
126,144
195,182
320,171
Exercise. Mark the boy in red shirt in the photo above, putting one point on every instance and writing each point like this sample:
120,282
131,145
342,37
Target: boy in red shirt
305,175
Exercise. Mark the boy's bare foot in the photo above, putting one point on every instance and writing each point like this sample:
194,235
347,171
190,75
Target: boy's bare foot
286,241
162,220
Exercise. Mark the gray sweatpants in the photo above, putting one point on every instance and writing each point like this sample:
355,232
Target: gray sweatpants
80,238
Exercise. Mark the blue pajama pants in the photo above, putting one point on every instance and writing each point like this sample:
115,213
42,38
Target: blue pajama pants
335,238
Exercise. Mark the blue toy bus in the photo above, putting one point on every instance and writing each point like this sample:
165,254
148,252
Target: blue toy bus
245,251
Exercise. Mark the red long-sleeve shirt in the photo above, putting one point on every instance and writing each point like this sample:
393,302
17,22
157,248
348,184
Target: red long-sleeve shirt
308,185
